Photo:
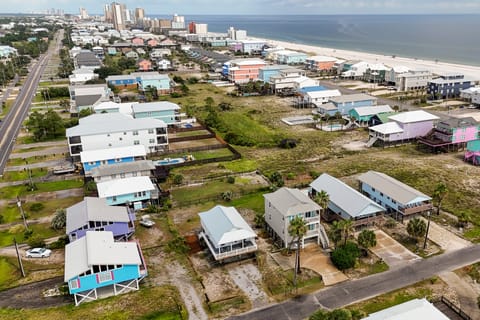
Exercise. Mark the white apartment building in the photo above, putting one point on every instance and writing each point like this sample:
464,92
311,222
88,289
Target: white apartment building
113,130
413,80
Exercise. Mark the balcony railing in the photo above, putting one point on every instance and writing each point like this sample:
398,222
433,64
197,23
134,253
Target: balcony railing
417,209
218,255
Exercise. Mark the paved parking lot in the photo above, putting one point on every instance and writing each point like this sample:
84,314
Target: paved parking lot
392,252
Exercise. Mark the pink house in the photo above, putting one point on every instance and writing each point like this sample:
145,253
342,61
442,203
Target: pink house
137,41
144,65
320,63
452,133
245,70
152,43
402,127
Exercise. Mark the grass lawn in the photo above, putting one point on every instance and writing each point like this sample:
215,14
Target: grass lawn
420,290
192,133
8,105
35,159
31,149
23,175
201,155
7,272
253,201
209,191
29,140
161,303
41,230
11,212
14,191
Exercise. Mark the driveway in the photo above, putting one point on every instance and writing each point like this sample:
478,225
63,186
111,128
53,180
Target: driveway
447,240
246,277
392,252
312,257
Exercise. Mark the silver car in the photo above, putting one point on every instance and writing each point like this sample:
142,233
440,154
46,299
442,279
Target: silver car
38,253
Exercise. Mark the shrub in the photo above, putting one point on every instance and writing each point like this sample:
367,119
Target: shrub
314,174
1,219
288,143
37,206
276,179
231,179
59,220
177,179
367,239
227,195
36,242
344,256
27,233
60,243
290,176
390,223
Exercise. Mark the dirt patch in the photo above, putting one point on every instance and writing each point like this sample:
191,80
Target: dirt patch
248,279
217,284
31,296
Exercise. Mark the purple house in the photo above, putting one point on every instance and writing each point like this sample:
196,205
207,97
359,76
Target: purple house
451,134
93,214
402,127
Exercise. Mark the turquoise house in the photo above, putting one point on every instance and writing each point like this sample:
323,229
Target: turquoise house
96,262
265,73
166,111
126,190
364,114
159,81
94,158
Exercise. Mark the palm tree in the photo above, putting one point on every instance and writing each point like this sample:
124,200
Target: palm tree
347,226
297,229
416,228
322,198
438,194
336,232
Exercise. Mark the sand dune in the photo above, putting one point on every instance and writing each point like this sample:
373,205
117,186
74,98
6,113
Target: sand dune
439,67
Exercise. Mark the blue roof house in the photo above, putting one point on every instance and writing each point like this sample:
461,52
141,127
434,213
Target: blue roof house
94,158
166,111
96,262
226,233
347,203
93,214
127,190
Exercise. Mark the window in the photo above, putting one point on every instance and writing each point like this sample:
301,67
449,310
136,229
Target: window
114,176
134,174
373,189
151,131
114,198
381,194
74,284
135,133
144,193
91,224
108,134
122,175
120,138
104,161
136,142
118,160
151,140
124,133
104,277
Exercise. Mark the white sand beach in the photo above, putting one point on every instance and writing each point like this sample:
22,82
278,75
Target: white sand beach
439,67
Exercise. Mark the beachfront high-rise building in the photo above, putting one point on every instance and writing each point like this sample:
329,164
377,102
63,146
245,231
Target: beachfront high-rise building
139,14
107,13
118,14
237,34
83,14
178,22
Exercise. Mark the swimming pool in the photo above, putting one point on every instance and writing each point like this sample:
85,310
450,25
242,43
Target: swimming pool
332,127
168,161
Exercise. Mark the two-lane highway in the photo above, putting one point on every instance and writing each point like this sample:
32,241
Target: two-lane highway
19,110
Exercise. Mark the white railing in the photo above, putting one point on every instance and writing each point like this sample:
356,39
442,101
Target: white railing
230,253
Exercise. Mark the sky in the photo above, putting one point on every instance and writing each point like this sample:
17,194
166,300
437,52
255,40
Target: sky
185,7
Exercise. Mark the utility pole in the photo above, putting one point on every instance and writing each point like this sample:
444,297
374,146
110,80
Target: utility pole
426,233
20,264
19,204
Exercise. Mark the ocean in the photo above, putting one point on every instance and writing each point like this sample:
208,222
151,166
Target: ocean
447,38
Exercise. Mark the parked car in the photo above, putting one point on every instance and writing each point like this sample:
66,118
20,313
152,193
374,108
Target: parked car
147,222
38,253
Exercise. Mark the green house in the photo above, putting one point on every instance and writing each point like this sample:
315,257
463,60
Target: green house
364,114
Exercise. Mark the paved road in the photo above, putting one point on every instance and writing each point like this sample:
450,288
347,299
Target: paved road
17,114
350,292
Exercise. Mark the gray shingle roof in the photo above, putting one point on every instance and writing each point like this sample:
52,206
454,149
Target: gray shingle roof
393,188
291,201
345,197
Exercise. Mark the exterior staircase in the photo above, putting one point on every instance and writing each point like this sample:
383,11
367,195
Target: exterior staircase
371,142
322,235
